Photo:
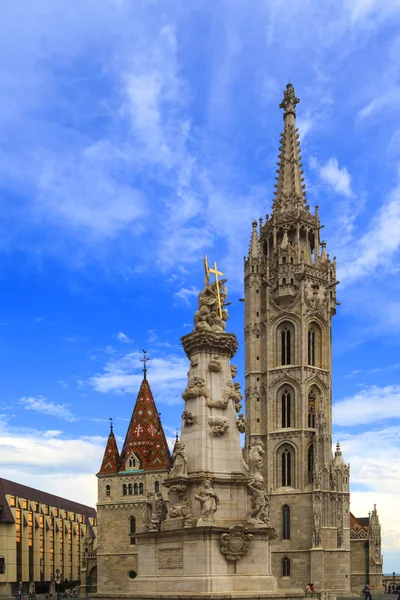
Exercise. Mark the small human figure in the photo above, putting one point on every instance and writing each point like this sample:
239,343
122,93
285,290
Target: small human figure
367,591
209,501
312,590
179,457
307,588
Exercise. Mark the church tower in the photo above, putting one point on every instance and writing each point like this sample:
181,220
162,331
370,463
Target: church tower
127,483
290,299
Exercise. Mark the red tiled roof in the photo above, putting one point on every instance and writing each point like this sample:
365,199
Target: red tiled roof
111,457
145,435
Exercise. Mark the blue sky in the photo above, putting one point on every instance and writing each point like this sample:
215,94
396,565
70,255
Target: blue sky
138,136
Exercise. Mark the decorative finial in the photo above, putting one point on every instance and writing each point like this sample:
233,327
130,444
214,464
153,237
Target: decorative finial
111,425
254,224
176,436
145,360
289,101
338,447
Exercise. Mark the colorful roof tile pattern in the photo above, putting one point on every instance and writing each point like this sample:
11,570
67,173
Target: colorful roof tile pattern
110,462
357,530
145,436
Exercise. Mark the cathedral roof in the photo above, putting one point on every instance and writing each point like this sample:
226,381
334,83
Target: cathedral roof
111,456
145,436
290,188
358,527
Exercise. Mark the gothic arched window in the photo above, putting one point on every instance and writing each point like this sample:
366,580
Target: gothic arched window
286,346
311,409
124,489
130,489
108,490
286,408
140,488
156,486
285,566
285,522
135,489
310,463
286,462
311,347
132,530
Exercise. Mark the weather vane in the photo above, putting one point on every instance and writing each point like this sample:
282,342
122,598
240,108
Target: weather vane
145,360
111,425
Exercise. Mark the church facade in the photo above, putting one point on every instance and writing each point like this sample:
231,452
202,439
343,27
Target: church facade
145,494
290,299
127,481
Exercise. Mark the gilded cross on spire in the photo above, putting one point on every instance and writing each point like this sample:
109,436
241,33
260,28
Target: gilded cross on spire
145,360
215,272
289,101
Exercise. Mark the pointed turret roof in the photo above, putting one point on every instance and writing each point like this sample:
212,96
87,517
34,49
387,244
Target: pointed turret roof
145,436
254,243
111,455
290,188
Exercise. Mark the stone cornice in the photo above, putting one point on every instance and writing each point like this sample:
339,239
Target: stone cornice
209,341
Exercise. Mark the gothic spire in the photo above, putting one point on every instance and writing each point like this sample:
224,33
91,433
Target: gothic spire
290,189
145,436
111,455
254,243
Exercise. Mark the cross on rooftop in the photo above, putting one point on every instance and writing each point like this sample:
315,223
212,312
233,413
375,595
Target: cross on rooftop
145,360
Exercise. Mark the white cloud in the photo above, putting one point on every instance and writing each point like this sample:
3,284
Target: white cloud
338,179
374,458
167,376
122,337
184,294
40,404
371,405
385,100
377,247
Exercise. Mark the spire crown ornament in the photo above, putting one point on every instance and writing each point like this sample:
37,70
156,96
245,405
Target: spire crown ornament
289,101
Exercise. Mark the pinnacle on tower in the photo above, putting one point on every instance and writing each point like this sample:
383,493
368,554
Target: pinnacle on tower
290,187
254,242
111,455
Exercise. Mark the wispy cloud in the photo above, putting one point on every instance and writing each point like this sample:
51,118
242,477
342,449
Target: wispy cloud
167,376
185,294
122,337
40,404
373,404
338,178
378,247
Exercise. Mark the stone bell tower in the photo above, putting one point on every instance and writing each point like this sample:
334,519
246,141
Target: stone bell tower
290,299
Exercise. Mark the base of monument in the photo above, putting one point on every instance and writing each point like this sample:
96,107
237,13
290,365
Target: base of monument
177,595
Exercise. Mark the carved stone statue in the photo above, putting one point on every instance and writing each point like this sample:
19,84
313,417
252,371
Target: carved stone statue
180,509
215,363
234,371
179,457
188,418
209,501
260,503
219,403
155,512
196,390
241,423
219,425
256,459
233,393
207,317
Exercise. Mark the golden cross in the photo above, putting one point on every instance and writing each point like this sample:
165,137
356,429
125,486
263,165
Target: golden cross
215,272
